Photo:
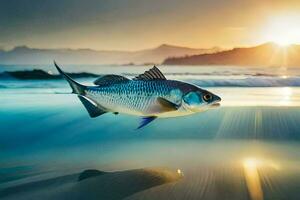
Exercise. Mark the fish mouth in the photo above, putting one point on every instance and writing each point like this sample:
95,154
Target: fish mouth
216,104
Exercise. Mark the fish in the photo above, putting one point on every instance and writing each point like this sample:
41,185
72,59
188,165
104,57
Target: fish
149,95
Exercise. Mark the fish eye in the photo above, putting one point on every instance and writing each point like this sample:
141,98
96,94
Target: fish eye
207,97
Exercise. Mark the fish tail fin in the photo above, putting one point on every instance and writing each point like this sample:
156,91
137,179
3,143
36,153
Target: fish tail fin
77,88
92,108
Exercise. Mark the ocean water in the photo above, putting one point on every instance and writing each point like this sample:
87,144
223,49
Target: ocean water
246,149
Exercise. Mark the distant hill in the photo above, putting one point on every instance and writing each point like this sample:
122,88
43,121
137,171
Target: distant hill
26,55
268,54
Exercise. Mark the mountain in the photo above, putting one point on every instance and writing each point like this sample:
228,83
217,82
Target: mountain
26,55
268,54
159,54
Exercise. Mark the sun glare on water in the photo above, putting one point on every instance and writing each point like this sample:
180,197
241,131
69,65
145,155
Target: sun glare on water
252,167
286,94
283,30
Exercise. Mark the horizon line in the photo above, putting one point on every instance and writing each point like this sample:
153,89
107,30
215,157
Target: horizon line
149,48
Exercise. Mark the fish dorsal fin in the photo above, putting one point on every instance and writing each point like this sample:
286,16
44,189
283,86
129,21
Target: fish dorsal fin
110,79
152,74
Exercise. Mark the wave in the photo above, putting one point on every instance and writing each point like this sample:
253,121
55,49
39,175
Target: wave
213,73
38,74
249,82
43,79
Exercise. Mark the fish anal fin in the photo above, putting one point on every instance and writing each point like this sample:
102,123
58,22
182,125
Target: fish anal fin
152,74
145,121
91,107
110,79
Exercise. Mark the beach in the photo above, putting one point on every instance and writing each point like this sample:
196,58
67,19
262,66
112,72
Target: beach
248,148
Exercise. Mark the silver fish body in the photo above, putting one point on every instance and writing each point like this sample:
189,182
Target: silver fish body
139,97
149,95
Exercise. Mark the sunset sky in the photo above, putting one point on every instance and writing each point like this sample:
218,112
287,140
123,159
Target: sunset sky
139,24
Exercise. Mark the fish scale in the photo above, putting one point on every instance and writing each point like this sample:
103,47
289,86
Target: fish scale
136,95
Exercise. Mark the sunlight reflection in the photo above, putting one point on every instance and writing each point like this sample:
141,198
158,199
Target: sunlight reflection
252,178
179,172
286,96
260,96
253,170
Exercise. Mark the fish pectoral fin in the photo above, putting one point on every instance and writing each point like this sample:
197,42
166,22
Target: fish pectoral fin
91,107
146,120
167,105
162,105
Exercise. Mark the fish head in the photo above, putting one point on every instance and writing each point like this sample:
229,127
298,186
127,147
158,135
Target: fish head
200,100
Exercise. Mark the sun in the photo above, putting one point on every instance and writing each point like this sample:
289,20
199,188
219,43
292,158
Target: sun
284,37
283,30
282,41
